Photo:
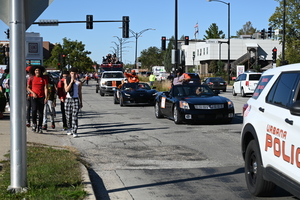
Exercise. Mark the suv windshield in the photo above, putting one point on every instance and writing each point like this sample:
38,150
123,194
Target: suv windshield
113,75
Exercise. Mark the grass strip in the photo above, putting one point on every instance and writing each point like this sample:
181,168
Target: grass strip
51,174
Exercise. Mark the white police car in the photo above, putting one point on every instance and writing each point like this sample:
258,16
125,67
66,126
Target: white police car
245,83
270,137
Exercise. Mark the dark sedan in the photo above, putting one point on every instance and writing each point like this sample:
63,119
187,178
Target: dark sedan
193,103
216,83
135,94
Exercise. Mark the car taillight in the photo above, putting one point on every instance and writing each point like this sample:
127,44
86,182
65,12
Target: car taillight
210,83
245,106
247,83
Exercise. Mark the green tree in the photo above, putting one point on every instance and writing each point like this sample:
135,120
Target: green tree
292,26
168,55
151,57
246,30
75,55
213,32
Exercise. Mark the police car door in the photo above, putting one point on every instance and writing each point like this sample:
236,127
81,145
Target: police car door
281,142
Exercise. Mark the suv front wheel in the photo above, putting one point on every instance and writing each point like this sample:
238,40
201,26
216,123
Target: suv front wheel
254,172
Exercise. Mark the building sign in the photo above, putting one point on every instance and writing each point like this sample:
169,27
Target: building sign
33,47
33,62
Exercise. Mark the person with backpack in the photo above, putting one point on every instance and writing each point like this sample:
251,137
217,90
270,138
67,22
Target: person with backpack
37,86
51,102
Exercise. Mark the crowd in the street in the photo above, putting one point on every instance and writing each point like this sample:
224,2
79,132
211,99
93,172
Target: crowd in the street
42,93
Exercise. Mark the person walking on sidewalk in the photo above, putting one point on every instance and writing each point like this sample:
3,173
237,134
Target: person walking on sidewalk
61,93
51,102
37,86
28,98
73,102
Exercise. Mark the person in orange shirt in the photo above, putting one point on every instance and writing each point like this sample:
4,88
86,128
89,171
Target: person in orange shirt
132,78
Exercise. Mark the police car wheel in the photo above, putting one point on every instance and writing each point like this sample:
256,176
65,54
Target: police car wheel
256,184
233,92
157,110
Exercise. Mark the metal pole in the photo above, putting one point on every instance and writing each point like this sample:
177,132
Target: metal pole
228,64
136,45
18,98
283,34
176,34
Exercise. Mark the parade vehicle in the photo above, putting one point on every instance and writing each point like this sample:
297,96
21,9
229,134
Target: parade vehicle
270,138
245,83
109,80
111,66
193,103
135,94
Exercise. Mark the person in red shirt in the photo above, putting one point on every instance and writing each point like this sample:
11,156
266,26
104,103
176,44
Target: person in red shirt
61,93
132,78
37,87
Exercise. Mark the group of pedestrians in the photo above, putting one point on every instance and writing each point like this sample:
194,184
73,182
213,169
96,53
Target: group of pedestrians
42,93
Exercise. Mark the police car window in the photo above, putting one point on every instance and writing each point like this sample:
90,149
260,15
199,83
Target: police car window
283,90
261,85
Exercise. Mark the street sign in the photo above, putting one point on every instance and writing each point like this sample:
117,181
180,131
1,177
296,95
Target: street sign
33,9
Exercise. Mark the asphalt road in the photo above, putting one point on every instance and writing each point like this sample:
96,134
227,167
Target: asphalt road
133,155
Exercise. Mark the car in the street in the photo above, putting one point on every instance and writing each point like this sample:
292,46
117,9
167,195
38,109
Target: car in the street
162,76
245,83
216,83
109,81
270,138
195,78
135,94
193,103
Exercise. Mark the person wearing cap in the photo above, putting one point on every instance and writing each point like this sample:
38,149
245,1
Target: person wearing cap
37,86
181,78
132,77
51,103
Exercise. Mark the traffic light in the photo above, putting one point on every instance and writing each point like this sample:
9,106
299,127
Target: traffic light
163,43
125,27
89,22
186,40
274,54
270,32
263,34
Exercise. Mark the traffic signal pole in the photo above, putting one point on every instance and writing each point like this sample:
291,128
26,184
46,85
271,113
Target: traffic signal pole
176,35
18,154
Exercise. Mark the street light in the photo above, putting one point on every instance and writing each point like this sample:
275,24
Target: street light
228,64
118,48
137,35
121,41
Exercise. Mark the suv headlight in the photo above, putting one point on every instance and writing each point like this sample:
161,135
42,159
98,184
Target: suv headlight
184,105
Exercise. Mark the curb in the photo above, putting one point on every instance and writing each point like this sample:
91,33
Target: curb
87,183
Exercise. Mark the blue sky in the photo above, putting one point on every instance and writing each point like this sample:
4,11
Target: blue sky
156,14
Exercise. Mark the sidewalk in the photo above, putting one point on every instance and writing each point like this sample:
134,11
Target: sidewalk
52,137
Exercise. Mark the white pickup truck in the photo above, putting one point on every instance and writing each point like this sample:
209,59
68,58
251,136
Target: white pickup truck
108,81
